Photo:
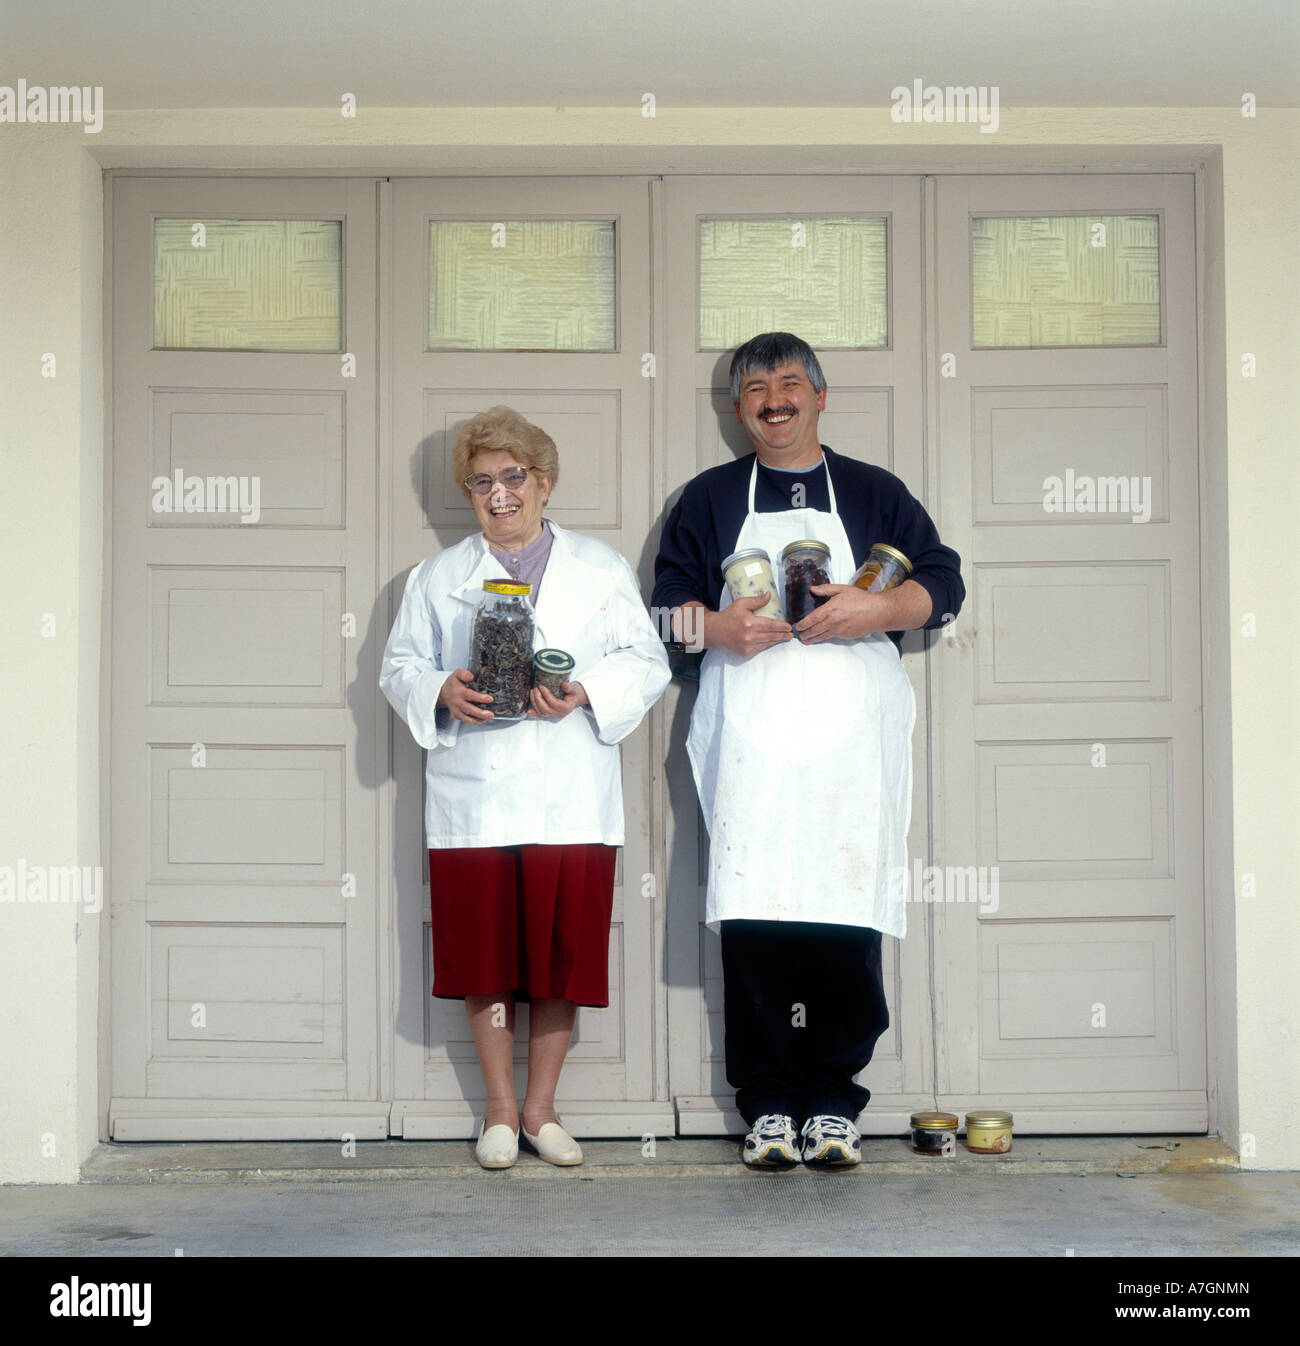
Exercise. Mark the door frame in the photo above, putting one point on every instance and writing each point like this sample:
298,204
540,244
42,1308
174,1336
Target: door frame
1203,162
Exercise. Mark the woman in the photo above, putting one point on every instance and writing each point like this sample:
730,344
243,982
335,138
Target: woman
522,816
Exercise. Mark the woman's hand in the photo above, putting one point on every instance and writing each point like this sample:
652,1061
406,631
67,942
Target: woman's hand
464,703
548,706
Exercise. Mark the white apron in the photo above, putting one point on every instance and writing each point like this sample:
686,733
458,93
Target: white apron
802,756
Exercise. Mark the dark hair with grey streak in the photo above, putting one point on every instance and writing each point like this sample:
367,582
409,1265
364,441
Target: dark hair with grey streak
769,351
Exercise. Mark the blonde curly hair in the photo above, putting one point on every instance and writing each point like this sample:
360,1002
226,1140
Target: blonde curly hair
502,427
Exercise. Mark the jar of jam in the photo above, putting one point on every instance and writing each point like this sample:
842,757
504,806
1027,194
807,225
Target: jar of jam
885,568
988,1131
934,1133
805,563
749,573
501,648
551,668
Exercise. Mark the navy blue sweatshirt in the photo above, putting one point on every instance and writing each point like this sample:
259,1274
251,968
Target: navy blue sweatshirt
874,506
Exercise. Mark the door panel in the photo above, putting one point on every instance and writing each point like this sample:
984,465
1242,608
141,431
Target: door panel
874,411
1067,729
596,406
242,841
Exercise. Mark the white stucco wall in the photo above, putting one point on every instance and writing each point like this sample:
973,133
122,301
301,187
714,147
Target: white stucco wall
52,550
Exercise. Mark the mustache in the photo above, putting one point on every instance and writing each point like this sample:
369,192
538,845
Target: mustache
778,411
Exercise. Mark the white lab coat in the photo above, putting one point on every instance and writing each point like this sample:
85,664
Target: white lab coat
512,782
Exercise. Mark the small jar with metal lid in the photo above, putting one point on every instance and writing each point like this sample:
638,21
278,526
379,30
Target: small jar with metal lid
501,648
749,573
934,1132
551,669
988,1131
805,563
885,568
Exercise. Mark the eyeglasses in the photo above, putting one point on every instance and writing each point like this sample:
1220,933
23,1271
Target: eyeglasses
512,479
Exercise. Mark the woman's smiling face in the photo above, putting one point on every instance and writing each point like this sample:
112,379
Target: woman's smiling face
511,518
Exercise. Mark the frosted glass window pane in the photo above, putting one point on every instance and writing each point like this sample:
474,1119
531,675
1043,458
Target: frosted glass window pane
510,285
1066,280
824,280
254,285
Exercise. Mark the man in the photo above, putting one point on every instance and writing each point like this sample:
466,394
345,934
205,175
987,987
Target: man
800,743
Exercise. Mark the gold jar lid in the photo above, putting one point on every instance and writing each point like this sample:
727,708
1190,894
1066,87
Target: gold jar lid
934,1121
893,551
506,587
810,543
987,1117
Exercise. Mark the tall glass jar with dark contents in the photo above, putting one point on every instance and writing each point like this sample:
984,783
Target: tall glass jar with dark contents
501,647
805,563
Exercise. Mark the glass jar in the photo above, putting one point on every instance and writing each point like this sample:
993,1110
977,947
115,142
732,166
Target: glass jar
551,668
988,1131
885,568
805,563
501,648
934,1133
749,573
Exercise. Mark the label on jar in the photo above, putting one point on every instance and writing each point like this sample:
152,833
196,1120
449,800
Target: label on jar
748,579
988,1140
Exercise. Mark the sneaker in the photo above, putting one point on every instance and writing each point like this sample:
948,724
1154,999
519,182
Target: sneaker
772,1142
830,1142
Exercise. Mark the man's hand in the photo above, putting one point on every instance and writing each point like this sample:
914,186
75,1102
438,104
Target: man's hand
547,706
464,703
735,628
852,612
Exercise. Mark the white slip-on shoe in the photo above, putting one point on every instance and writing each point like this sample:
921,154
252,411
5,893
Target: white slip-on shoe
554,1144
498,1146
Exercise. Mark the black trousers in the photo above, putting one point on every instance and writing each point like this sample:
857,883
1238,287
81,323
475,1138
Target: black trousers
803,1007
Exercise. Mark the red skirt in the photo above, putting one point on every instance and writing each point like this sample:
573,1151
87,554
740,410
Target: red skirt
532,920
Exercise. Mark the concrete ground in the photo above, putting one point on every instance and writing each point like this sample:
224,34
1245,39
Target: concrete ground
1049,1197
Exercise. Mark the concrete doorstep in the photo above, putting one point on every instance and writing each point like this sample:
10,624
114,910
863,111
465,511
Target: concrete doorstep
314,1161
1056,1197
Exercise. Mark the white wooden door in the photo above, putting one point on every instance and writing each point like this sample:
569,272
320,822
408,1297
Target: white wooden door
267,878
1068,705
514,267
242,860
775,261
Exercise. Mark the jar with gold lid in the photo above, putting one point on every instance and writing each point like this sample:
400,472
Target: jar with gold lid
988,1131
805,563
885,568
501,648
934,1132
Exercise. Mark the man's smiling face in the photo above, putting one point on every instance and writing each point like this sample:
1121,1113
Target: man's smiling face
779,411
